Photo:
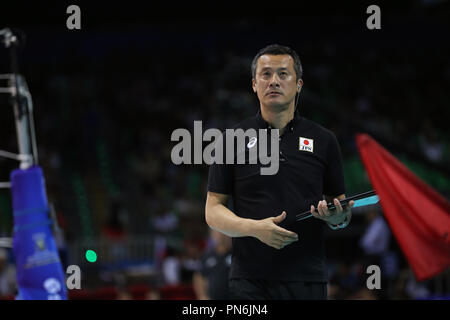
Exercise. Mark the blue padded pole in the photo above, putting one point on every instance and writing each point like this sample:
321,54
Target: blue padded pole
39,271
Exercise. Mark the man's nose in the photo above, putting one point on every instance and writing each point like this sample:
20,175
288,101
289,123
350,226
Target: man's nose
274,81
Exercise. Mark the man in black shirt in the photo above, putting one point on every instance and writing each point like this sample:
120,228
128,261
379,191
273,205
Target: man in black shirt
275,257
211,281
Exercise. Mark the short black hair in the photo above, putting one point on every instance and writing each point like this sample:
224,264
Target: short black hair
276,49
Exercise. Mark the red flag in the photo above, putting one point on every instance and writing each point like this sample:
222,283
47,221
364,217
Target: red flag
418,216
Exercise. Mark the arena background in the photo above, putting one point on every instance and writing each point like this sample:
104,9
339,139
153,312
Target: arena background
107,98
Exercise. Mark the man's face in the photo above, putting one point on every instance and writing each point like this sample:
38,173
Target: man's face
275,81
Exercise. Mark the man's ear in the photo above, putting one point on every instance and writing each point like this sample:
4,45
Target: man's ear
299,85
254,85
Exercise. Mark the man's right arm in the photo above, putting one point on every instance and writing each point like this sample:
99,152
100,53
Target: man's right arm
222,219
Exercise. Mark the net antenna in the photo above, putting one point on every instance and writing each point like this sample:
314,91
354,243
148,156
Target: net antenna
21,100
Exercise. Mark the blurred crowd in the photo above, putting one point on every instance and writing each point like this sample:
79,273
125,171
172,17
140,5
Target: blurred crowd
104,129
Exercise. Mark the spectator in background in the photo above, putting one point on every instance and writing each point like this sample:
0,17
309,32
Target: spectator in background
346,281
163,224
190,260
376,239
8,285
430,144
171,266
375,243
116,233
180,263
416,290
211,281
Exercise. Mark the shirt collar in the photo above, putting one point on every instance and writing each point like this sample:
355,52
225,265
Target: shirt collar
262,124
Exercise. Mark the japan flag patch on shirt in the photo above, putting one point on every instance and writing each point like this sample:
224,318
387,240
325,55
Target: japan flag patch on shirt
306,144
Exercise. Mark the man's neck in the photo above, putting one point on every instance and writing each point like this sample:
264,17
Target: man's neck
277,119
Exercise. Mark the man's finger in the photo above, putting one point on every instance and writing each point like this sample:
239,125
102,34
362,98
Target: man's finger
338,206
279,238
280,218
322,208
325,209
314,212
276,244
289,242
319,210
317,213
285,233
293,236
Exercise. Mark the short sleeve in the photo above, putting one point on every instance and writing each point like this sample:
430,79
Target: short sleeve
220,178
333,180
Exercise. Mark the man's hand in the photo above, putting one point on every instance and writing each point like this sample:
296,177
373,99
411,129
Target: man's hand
268,232
333,217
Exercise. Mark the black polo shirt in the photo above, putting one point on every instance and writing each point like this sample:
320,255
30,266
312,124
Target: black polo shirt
215,268
302,179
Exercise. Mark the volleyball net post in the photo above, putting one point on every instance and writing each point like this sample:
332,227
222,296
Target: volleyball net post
39,271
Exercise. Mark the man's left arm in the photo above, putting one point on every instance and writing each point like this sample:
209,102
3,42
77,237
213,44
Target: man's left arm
337,218
333,189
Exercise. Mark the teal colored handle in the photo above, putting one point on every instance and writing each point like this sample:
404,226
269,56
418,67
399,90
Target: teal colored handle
366,201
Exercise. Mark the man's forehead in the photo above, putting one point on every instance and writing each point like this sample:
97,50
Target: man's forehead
275,61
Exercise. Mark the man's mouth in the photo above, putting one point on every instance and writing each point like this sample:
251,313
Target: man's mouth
274,93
